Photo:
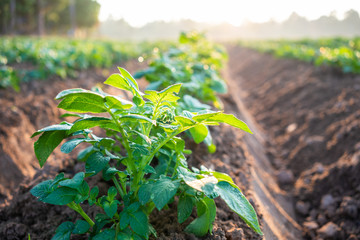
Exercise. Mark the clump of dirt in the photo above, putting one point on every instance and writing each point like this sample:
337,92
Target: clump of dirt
312,118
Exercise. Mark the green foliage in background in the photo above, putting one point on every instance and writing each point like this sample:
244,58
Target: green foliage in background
141,154
195,62
338,52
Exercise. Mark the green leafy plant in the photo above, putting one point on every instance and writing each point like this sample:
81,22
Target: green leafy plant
142,156
195,62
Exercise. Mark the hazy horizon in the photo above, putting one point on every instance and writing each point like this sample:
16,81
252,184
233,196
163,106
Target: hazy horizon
139,12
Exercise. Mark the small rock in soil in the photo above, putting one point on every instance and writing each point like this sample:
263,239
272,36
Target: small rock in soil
319,168
311,225
292,127
321,219
326,201
329,230
285,177
302,207
349,207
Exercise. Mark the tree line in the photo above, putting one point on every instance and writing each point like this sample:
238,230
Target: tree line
28,17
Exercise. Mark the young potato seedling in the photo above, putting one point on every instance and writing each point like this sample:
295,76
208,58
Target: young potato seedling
137,132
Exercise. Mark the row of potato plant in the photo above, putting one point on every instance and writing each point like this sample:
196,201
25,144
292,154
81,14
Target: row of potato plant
143,156
343,53
27,58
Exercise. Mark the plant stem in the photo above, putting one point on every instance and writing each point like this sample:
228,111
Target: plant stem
76,207
124,142
118,187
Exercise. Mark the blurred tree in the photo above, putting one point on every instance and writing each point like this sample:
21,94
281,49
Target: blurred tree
50,16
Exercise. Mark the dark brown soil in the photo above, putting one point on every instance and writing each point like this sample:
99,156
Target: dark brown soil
25,215
312,119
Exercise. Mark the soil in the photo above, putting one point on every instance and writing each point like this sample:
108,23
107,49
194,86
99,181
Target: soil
311,117
306,119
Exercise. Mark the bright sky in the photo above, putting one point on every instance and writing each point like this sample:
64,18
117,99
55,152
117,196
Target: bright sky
140,12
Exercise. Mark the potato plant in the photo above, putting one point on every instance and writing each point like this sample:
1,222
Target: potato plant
142,157
195,62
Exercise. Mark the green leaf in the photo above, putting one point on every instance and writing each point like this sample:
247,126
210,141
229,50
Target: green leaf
112,192
75,182
116,80
128,76
81,227
42,190
149,169
85,153
107,234
83,102
118,103
133,207
83,190
87,123
137,118
222,177
72,91
165,95
109,173
160,191
231,120
57,127
199,133
96,162
200,182
63,232
71,144
110,208
124,220
61,196
139,223
185,207
126,82
239,204
204,116
163,190
93,194
206,210
145,192
185,121
46,144
218,85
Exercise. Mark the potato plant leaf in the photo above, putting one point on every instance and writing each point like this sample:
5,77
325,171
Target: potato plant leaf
96,162
185,207
206,211
139,223
239,204
81,227
63,232
83,102
199,133
61,196
46,144
70,145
